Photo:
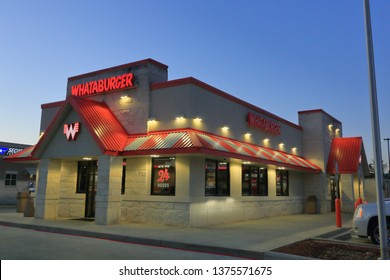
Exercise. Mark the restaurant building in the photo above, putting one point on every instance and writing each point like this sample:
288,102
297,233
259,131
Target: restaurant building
128,145
14,177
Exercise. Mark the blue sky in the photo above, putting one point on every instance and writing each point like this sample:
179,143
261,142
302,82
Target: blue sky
281,55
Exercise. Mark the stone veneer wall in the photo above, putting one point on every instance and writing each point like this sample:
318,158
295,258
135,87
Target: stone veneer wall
138,206
317,140
206,213
190,208
71,204
219,212
149,212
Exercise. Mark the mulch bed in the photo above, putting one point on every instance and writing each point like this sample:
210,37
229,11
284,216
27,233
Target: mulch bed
331,250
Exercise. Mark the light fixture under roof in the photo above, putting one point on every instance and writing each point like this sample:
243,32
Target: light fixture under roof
198,119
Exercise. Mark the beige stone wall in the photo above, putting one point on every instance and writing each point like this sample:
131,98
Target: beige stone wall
190,207
71,204
316,142
47,194
369,193
155,212
220,211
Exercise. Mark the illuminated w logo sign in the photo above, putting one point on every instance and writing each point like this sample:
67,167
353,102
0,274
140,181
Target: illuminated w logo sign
70,130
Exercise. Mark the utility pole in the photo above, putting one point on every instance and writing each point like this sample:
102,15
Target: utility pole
376,135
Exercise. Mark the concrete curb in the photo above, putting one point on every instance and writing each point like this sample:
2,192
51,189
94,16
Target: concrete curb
271,255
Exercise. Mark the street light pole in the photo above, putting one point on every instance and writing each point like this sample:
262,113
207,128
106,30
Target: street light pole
376,135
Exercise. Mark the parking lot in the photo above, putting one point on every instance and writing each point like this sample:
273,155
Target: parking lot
249,239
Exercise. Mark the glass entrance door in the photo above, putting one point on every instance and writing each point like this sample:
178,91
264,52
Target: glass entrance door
87,182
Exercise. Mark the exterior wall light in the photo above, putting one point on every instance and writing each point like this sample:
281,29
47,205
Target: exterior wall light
198,119
266,142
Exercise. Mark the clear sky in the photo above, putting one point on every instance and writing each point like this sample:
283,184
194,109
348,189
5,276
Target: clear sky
283,56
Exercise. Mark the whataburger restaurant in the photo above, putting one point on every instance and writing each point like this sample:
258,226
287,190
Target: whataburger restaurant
129,145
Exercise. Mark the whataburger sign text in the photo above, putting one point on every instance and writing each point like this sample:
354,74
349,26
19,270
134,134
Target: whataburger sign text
264,124
103,85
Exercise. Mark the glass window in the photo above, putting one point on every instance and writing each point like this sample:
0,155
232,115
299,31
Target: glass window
282,182
217,178
211,182
254,181
10,179
163,176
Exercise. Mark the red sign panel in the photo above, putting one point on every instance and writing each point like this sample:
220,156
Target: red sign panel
70,130
103,85
267,125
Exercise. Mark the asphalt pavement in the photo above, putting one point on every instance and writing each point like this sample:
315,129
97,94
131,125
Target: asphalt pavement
250,239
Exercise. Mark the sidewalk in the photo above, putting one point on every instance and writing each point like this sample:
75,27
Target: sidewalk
251,239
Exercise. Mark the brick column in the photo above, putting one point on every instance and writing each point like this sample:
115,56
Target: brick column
47,196
108,196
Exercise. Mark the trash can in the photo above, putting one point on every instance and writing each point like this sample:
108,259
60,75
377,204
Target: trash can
311,204
29,211
21,201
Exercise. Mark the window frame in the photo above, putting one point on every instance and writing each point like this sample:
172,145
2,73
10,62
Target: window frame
261,182
216,183
11,181
284,177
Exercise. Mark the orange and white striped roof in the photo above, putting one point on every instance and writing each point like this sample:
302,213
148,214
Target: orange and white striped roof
112,138
193,141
